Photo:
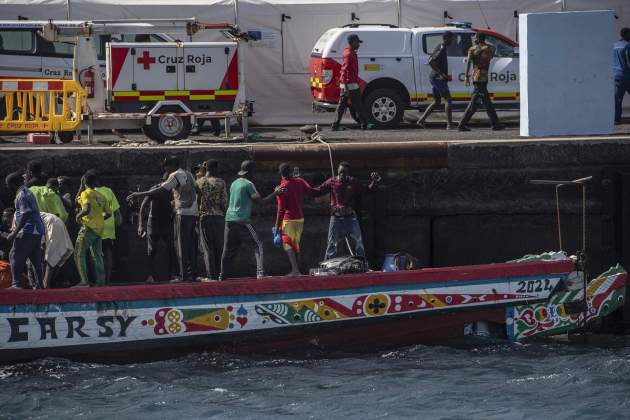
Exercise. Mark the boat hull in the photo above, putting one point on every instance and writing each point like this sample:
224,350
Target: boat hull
350,312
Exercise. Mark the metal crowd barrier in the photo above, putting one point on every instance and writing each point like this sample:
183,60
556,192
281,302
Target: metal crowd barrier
33,105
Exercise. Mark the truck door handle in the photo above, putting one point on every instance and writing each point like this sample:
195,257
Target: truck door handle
372,59
398,59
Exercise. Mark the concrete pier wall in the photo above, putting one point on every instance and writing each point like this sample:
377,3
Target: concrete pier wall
445,203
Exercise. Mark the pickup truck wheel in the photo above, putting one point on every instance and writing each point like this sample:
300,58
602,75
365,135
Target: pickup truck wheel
384,108
170,127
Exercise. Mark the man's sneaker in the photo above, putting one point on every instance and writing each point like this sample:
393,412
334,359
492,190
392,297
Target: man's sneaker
81,285
15,287
463,128
150,279
498,127
175,279
335,127
367,127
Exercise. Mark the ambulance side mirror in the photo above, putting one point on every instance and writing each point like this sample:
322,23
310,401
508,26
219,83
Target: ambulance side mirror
516,52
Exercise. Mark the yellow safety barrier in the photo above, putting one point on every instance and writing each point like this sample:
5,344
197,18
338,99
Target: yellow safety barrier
50,105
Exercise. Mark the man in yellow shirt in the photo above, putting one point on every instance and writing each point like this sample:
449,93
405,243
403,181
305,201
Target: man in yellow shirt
109,228
94,211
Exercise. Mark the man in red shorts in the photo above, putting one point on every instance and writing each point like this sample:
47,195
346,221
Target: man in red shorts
290,217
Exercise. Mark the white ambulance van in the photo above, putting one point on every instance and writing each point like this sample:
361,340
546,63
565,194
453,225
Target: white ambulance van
394,70
24,53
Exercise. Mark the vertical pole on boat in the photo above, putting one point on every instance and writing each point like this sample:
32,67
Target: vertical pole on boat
558,216
581,254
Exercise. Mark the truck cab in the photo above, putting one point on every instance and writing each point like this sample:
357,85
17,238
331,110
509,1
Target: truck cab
394,70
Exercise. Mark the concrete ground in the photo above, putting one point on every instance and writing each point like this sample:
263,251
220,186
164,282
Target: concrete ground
289,134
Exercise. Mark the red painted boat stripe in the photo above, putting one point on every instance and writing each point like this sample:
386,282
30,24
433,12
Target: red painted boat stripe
251,286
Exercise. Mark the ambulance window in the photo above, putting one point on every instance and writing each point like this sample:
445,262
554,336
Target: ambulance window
17,41
140,38
318,49
458,48
504,49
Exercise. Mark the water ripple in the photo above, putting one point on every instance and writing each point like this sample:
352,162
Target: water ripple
497,381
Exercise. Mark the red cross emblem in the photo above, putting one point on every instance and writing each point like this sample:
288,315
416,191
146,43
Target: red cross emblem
146,60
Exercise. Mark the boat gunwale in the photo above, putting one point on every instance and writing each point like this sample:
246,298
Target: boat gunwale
275,285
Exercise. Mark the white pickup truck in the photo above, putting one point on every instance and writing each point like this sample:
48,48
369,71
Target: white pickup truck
394,70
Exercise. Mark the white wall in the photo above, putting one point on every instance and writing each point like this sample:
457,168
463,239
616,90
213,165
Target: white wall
566,73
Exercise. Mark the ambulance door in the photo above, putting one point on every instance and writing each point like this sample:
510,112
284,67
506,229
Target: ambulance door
205,70
155,69
17,54
456,66
503,78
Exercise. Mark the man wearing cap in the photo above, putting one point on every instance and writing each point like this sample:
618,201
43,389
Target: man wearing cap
182,183
349,84
238,220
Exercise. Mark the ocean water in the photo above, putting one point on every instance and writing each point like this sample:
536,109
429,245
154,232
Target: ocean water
547,380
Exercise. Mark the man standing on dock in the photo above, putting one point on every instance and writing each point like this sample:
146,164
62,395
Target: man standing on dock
439,81
622,70
212,205
238,224
479,55
350,84
290,217
26,236
182,184
344,190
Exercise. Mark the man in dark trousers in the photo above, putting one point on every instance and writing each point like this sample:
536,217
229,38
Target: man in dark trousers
349,84
344,190
439,81
238,220
159,228
26,237
621,57
212,206
182,183
479,56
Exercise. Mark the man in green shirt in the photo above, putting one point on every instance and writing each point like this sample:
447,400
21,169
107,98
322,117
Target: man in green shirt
49,200
238,227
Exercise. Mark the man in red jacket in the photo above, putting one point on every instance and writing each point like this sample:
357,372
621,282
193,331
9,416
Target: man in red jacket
349,84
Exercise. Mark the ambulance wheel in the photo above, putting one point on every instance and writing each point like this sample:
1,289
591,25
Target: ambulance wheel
170,127
63,136
384,107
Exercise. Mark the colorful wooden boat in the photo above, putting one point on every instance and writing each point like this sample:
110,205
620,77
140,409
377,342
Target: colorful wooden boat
347,312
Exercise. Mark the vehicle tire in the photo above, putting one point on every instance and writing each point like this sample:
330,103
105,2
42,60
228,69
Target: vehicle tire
170,127
147,130
63,137
384,108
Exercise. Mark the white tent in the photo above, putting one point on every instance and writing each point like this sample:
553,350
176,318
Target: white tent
277,64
